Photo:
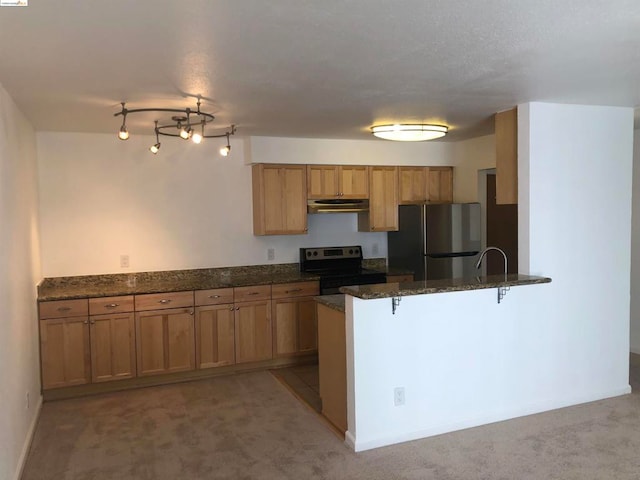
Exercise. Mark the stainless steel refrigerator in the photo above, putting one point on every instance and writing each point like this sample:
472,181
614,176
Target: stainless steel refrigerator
436,241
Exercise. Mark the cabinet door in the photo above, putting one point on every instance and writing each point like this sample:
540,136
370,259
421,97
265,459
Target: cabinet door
253,331
322,181
307,326
64,349
295,326
215,336
354,182
440,184
412,185
383,201
113,348
506,125
165,341
279,199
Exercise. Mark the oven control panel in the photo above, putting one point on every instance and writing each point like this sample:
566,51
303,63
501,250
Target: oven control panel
324,253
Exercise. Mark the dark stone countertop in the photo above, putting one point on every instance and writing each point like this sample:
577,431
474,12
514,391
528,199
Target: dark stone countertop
66,288
335,302
387,290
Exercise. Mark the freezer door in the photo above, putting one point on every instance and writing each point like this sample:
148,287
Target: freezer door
406,246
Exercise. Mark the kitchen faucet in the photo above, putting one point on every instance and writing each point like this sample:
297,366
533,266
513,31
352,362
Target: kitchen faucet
484,252
502,291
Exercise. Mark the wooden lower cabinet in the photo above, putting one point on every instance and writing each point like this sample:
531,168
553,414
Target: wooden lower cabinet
215,336
253,335
165,341
295,326
64,350
332,365
113,347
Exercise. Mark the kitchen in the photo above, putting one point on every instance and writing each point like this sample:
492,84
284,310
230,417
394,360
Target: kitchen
91,201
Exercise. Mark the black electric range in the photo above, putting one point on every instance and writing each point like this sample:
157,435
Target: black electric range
338,267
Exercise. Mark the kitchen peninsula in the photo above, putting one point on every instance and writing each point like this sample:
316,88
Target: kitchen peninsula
450,357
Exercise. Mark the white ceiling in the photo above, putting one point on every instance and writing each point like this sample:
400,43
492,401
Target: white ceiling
312,68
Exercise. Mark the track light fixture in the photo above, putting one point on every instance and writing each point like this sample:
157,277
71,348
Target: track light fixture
181,125
224,151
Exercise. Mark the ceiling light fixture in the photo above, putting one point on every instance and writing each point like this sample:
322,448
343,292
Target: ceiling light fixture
181,125
409,132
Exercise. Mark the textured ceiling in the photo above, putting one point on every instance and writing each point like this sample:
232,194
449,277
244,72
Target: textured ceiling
309,68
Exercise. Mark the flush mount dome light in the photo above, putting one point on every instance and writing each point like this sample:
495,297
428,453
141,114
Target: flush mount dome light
409,132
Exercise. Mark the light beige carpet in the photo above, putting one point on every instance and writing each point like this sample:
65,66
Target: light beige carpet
249,426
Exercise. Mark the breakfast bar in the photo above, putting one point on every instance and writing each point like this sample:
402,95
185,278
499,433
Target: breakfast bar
451,357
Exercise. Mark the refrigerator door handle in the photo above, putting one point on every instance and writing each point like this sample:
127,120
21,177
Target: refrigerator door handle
423,219
453,254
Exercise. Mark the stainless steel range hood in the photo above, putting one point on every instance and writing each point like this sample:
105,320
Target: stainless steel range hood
337,206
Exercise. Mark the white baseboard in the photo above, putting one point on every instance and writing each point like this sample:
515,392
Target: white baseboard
27,441
383,441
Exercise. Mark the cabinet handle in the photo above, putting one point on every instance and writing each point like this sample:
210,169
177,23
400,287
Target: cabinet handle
92,322
64,309
237,308
293,290
231,309
253,293
86,322
164,301
190,312
214,296
112,305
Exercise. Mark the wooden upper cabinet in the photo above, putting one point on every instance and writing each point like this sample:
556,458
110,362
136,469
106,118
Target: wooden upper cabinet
440,184
337,181
279,199
412,185
506,124
383,201
425,184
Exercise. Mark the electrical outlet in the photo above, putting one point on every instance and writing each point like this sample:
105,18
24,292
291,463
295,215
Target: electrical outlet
26,404
374,249
124,261
271,253
398,396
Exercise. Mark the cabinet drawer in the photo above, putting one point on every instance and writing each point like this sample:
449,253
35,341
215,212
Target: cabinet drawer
155,301
249,294
298,289
216,296
64,308
98,306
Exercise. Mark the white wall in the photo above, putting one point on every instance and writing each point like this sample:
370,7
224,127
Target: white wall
187,207
346,152
635,249
19,274
465,360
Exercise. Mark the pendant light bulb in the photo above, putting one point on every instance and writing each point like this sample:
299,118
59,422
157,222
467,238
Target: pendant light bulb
154,148
224,151
184,133
196,138
123,134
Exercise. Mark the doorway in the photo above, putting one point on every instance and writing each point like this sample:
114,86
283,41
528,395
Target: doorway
502,231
